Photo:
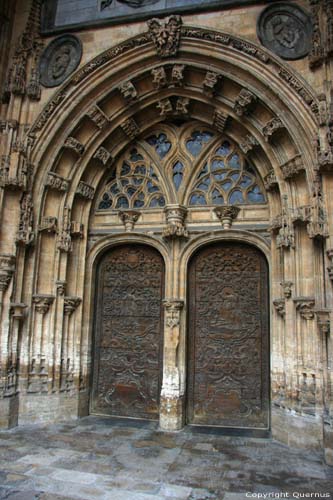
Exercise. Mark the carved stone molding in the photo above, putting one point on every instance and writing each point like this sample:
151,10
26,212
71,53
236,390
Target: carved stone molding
280,306
129,218
292,167
48,224
248,143
175,216
42,302
98,116
55,181
85,190
131,128
7,268
128,91
70,304
74,145
159,78
323,321
226,214
165,35
271,127
103,156
305,306
329,254
245,102
220,120
211,82
270,181
25,234
287,288
17,310
61,287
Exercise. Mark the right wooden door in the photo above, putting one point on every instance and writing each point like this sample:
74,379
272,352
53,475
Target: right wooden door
228,341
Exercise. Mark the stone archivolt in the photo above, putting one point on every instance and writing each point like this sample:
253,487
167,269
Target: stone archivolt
262,138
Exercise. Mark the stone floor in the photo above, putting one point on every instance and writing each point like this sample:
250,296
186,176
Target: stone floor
99,458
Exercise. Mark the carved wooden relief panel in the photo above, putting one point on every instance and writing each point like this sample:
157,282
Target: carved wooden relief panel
228,337
128,333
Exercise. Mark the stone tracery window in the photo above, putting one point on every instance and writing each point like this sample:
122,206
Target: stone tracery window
187,164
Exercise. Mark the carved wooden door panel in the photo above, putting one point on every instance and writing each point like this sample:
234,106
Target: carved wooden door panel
127,356
228,379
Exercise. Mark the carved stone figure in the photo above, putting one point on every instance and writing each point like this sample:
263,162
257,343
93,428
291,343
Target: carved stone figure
165,35
286,30
60,58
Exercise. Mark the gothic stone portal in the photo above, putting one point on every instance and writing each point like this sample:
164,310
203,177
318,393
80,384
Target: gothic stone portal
228,342
128,336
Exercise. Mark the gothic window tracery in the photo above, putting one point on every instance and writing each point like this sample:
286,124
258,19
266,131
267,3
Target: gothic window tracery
186,164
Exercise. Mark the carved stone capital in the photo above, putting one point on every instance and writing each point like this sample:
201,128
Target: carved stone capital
70,304
98,116
271,128
323,321
129,218
85,190
74,145
17,310
287,288
244,102
165,35
226,214
175,216
7,267
42,302
305,306
280,306
55,181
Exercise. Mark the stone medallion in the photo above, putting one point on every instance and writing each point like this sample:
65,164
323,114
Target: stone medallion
60,58
285,29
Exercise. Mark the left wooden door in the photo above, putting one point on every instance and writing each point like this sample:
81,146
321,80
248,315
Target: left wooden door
128,333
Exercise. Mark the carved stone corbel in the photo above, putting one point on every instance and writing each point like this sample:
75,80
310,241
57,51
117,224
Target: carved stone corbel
74,145
165,107
55,181
244,102
175,219
226,214
219,120
131,128
42,302
128,91
76,229
248,143
159,78
292,167
49,224
270,181
165,35
7,268
129,218
61,287
17,310
211,82
85,190
287,288
177,75
182,105
103,156
97,116
323,321
280,306
271,127
70,304
305,306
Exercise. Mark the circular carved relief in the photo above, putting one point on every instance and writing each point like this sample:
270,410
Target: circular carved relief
60,58
286,30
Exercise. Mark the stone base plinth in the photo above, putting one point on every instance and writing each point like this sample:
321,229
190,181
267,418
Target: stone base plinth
37,408
9,408
171,413
295,430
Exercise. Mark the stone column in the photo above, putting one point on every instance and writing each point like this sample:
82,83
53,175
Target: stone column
171,409
67,354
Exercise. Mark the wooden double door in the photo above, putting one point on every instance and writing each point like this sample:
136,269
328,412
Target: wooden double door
228,351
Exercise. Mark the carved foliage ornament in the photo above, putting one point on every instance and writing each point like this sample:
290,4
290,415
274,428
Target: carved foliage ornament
286,30
166,35
60,58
